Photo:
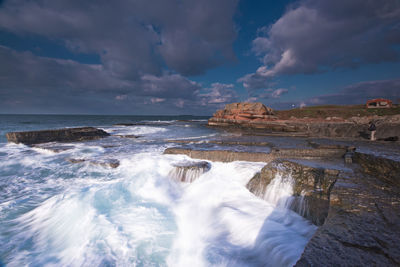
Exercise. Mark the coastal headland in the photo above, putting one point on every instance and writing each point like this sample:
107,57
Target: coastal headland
323,121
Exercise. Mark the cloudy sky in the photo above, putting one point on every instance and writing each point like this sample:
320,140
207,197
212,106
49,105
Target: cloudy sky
194,56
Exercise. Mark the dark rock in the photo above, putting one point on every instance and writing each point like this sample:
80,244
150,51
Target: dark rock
389,139
362,227
132,136
57,135
109,163
189,171
73,160
382,168
358,212
312,186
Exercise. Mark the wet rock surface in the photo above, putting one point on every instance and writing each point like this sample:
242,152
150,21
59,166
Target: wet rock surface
56,135
230,155
311,185
362,227
189,171
356,205
107,163
358,211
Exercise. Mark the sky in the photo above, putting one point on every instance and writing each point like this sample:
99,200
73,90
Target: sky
191,57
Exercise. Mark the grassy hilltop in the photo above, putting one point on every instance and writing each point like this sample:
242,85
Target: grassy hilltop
344,112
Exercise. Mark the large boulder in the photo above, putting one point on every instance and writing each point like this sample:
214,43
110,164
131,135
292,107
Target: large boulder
56,135
311,187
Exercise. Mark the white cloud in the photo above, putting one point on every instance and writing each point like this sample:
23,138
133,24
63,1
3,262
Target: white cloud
321,35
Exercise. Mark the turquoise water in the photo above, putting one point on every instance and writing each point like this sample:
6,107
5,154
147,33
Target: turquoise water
55,213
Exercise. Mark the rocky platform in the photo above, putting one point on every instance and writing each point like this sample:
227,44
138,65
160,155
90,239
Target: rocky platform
229,155
357,208
256,117
56,135
363,219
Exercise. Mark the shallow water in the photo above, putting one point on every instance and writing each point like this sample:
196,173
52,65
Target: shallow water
54,213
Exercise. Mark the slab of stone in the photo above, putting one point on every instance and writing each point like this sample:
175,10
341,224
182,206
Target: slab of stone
188,171
56,135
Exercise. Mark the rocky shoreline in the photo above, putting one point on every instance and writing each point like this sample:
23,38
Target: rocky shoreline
354,201
258,118
357,209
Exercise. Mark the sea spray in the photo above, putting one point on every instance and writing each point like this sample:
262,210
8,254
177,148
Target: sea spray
280,193
220,223
188,171
54,213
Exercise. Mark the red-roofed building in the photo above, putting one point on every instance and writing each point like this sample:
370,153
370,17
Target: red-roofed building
379,103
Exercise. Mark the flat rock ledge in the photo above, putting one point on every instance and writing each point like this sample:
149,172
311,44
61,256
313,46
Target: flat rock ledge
56,135
188,171
229,155
358,213
311,187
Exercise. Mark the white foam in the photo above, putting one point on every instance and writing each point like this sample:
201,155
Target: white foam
85,215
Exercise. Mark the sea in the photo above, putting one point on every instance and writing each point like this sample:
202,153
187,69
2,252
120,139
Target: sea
57,213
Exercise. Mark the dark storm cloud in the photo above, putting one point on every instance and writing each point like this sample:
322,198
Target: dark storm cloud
132,37
359,93
145,49
31,81
320,35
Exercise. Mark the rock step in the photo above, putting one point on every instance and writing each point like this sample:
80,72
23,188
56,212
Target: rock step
189,171
228,155
311,186
56,135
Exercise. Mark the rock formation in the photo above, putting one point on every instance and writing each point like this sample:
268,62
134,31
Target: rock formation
256,117
238,113
189,171
57,135
311,188
357,211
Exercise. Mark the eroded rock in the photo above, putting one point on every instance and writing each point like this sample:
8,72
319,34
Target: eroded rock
107,163
189,171
311,187
56,135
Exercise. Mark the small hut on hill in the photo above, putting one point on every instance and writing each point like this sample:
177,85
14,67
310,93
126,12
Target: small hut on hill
379,103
